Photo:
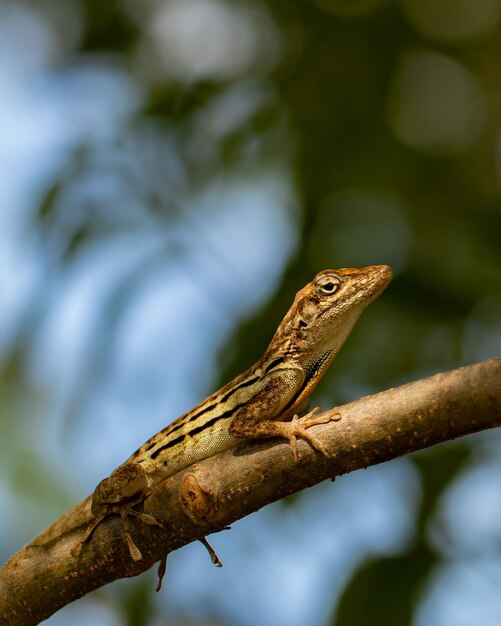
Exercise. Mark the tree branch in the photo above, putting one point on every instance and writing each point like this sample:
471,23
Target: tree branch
206,497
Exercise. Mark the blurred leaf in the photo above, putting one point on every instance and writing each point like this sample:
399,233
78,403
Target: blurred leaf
137,602
108,27
384,592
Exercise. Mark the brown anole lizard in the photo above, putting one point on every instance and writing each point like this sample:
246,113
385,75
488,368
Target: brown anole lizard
267,400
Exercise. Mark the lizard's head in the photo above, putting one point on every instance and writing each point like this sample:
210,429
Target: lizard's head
324,312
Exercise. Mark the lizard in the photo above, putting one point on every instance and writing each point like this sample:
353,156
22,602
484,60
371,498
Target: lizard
269,400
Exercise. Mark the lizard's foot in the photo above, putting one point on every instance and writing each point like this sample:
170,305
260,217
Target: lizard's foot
308,419
124,512
88,533
127,487
144,517
163,562
297,428
162,566
212,553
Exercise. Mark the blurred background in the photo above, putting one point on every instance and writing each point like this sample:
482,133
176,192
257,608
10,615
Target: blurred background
172,172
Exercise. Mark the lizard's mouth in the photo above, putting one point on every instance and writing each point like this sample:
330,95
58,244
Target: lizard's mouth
368,289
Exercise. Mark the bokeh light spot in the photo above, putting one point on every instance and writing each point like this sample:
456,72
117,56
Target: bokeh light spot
435,105
208,39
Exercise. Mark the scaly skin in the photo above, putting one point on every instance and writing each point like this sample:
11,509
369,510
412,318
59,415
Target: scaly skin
265,401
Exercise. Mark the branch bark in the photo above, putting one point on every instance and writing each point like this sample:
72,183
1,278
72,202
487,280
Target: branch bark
205,498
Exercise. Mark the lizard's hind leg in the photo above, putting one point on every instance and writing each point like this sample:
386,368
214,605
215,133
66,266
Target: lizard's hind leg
126,487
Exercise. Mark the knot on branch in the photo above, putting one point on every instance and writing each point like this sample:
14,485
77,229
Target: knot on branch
199,502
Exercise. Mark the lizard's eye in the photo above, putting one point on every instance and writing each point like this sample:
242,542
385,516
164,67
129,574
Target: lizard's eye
327,285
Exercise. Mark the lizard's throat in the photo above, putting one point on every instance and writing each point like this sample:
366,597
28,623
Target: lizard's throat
316,364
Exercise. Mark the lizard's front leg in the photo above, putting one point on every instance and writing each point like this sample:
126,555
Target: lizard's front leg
126,487
297,428
261,417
